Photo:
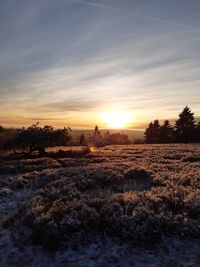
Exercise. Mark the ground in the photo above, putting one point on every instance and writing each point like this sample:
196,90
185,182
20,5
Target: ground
135,205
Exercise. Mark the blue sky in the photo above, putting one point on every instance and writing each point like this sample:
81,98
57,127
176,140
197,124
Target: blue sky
65,62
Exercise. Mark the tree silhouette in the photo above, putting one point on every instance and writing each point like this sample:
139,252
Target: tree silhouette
149,134
97,139
152,133
82,140
185,130
166,133
115,139
96,130
36,138
185,126
156,131
1,129
197,133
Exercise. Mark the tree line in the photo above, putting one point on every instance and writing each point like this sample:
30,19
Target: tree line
185,130
98,139
26,141
36,138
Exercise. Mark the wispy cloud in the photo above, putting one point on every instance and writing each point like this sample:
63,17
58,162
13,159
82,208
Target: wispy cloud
77,58
112,8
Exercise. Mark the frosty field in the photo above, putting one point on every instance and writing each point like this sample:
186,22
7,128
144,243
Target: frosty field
134,205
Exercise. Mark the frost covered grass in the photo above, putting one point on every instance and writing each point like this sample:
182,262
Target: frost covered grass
141,194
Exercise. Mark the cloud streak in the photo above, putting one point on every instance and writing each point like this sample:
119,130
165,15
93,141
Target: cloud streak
65,60
97,5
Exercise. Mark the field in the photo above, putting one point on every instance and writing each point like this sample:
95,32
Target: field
135,205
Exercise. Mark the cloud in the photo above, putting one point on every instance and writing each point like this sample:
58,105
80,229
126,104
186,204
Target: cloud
73,105
63,57
44,119
113,8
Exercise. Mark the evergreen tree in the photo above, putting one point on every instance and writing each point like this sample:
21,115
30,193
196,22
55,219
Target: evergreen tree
152,132
156,129
82,140
97,138
149,134
185,126
197,132
96,130
1,129
166,133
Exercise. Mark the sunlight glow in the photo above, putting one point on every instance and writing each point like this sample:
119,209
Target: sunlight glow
116,119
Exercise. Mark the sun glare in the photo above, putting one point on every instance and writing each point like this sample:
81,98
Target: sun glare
116,119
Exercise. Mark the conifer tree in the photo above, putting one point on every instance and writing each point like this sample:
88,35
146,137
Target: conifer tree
185,126
166,133
149,134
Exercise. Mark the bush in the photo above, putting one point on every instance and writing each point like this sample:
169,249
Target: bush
61,213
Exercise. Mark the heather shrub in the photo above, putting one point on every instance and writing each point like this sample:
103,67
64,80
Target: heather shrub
58,215
108,193
191,159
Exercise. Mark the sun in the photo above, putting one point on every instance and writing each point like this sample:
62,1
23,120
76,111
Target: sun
116,119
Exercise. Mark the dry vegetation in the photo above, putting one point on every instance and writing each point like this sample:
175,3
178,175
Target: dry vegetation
138,194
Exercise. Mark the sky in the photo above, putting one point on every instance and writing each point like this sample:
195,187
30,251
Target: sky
66,62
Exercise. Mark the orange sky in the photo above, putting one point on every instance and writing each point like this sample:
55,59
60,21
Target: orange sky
64,63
